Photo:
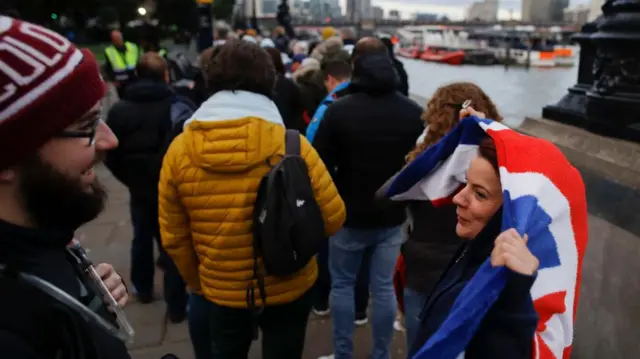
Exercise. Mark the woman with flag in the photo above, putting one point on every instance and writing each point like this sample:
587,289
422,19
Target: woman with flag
431,237
512,290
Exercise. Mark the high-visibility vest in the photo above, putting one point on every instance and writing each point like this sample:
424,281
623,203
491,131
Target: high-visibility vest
121,65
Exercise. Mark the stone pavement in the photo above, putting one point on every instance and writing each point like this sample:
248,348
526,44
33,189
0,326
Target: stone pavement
107,239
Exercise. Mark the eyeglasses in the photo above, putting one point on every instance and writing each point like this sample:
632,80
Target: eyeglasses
90,134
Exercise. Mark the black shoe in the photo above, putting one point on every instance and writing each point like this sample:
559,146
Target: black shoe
177,317
144,298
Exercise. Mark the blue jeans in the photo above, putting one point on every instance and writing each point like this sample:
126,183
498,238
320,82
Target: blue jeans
199,318
323,284
413,304
347,249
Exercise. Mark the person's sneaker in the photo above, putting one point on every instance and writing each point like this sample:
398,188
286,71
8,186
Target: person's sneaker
331,356
361,319
321,311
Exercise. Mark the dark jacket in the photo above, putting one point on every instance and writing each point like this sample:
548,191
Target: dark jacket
364,138
431,244
288,100
403,84
142,121
508,328
33,325
312,91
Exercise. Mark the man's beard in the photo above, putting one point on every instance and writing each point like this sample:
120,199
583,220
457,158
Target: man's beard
54,201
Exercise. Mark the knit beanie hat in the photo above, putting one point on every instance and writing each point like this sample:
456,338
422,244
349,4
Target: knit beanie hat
46,84
328,32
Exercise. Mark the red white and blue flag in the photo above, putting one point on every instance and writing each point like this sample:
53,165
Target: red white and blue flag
544,197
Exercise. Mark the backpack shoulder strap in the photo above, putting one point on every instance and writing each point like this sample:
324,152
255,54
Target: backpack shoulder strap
292,142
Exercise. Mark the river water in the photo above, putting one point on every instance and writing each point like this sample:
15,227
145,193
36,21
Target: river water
517,92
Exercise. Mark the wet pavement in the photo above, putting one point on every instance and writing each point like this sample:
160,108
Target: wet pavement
108,238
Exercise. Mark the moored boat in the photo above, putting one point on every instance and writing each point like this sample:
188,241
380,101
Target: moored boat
443,55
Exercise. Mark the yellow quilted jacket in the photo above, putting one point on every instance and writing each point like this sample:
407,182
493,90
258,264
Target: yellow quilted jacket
208,184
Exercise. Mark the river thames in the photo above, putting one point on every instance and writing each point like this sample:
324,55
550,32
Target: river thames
517,92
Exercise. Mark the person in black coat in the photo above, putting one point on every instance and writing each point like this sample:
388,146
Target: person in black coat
287,95
363,140
403,84
142,121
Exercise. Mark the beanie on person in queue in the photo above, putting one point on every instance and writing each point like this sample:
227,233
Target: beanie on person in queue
47,84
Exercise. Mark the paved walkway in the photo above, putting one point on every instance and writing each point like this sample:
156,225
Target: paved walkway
108,240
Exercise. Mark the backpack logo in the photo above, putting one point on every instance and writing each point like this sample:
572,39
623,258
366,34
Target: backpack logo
299,203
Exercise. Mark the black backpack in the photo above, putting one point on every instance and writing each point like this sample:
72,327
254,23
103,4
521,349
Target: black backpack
288,228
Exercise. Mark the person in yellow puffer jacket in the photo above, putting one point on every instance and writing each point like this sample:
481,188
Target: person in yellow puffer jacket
207,190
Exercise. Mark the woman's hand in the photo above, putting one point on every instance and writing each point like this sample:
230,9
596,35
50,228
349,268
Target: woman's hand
510,250
470,111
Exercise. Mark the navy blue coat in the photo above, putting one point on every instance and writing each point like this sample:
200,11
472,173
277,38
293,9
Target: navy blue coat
507,330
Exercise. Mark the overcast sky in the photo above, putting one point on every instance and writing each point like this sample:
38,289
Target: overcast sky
454,9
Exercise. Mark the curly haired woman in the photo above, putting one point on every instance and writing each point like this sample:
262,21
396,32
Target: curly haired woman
432,240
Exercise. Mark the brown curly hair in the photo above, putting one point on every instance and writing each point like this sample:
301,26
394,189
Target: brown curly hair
441,113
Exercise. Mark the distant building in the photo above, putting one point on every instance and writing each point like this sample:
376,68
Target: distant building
557,9
394,15
486,10
269,7
378,13
543,10
425,16
323,9
578,15
359,9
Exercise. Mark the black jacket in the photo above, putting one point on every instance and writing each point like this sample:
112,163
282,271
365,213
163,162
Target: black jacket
33,325
142,121
289,102
431,245
508,328
364,138
403,84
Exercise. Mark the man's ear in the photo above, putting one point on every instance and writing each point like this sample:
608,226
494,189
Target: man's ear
8,175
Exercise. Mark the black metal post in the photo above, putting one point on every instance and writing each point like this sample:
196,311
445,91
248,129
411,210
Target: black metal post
205,25
254,18
572,108
613,105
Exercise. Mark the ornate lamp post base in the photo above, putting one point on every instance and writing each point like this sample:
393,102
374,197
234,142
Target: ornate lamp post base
606,99
572,108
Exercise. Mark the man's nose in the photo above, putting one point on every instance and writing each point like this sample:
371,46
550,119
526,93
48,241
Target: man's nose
105,139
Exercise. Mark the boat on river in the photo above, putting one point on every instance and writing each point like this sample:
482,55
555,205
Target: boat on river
443,55
520,45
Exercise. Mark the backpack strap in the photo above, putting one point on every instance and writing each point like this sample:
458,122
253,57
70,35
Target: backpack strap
292,142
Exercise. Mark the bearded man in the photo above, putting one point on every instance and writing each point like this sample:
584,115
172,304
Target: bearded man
51,137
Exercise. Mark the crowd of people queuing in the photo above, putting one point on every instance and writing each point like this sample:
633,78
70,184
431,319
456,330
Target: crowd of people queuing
194,163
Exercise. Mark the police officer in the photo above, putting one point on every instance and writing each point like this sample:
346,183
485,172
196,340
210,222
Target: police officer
122,58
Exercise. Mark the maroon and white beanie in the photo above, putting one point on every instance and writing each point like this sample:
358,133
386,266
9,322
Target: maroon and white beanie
46,84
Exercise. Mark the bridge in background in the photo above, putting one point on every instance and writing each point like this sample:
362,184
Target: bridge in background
402,23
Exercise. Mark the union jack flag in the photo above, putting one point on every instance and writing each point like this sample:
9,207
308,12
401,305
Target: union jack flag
544,197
